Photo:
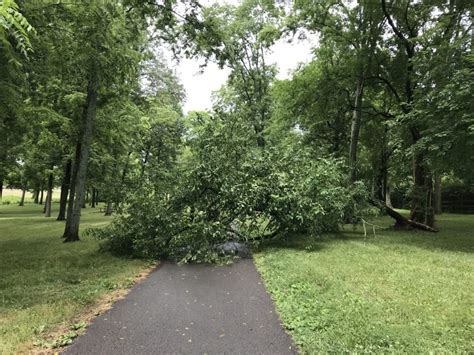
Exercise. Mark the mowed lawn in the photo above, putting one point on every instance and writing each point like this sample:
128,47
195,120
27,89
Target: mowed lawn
405,292
45,283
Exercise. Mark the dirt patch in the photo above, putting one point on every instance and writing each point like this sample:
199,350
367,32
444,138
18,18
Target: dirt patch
86,316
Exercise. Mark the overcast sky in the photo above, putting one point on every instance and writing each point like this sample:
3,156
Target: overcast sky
199,86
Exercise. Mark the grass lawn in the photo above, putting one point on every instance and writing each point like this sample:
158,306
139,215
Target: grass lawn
45,283
403,291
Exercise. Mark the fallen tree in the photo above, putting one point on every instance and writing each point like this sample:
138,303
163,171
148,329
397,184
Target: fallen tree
403,222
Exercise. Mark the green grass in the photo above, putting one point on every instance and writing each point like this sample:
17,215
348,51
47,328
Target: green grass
44,283
13,196
403,291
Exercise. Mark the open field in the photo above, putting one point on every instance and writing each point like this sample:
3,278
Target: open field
12,196
405,292
45,283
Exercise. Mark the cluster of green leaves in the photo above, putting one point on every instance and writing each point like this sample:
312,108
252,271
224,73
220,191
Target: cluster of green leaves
227,188
14,29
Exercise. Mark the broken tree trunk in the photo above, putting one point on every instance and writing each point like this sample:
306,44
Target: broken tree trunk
403,222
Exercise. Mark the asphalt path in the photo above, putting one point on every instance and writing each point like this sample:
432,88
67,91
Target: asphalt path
190,309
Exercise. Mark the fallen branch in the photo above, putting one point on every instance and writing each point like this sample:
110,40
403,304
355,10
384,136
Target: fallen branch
403,222
364,222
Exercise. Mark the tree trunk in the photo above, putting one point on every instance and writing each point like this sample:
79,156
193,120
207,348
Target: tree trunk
49,196
93,198
1,189
382,175
64,190
108,210
388,198
422,197
438,208
36,196
122,181
87,198
71,232
41,196
355,129
403,222
23,192
72,188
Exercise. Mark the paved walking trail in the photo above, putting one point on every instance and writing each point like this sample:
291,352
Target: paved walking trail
190,309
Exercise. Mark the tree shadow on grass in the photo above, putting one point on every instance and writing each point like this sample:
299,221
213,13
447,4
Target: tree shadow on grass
456,235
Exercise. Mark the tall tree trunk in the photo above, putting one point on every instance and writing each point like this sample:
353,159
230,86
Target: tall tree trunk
422,198
388,198
64,190
93,198
49,196
36,196
1,189
71,232
355,129
438,207
23,192
72,188
41,195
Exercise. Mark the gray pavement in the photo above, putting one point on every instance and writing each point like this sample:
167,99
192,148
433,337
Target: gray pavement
190,309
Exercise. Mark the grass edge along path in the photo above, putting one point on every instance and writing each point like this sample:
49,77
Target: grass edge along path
402,291
50,289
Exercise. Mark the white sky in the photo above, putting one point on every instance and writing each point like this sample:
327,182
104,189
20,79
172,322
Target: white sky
200,85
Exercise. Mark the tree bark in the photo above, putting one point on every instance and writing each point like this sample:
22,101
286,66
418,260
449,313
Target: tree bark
388,198
71,232
403,222
93,197
41,196
23,192
438,208
422,195
355,129
108,210
72,188
49,196
36,196
64,190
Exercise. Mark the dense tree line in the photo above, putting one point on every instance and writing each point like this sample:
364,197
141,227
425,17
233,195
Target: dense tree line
74,112
89,104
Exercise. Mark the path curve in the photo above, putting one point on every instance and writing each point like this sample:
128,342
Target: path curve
190,309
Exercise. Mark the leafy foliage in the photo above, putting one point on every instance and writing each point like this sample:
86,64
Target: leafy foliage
14,28
232,191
